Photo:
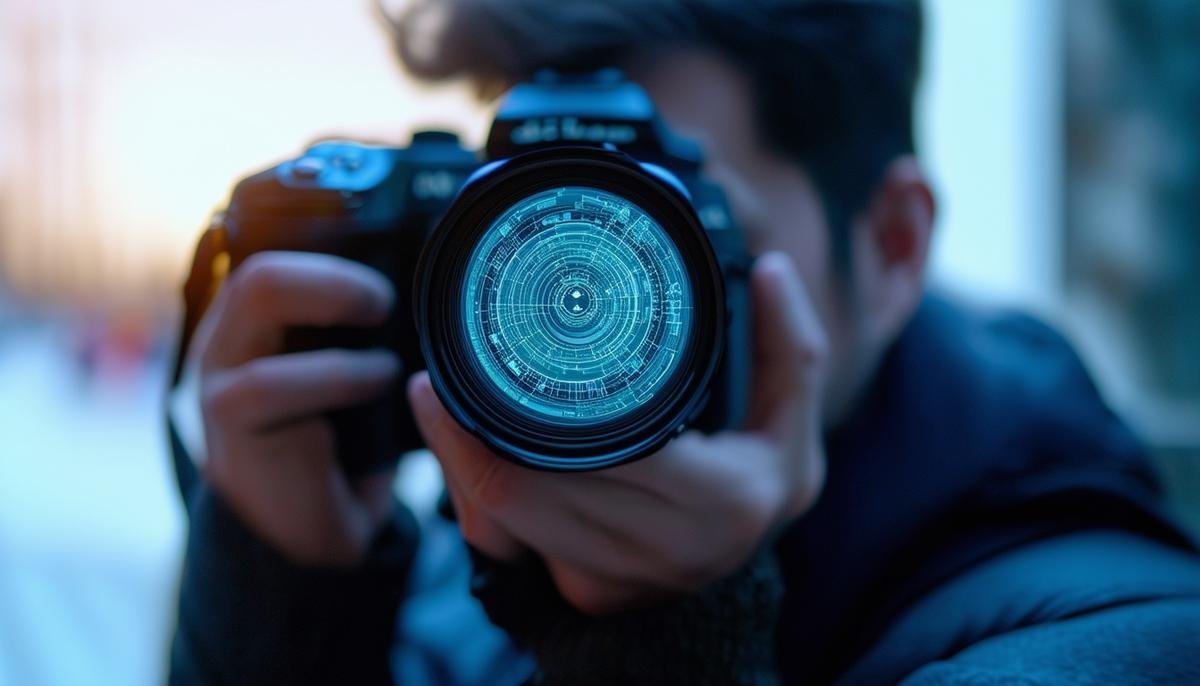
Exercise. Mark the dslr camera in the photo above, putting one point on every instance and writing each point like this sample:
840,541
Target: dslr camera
577,289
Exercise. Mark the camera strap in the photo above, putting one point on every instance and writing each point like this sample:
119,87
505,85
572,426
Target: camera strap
207,270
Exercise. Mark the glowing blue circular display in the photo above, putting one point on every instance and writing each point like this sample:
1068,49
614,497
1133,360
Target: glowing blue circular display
577,305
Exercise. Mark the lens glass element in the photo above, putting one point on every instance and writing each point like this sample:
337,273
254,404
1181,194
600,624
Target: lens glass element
577,305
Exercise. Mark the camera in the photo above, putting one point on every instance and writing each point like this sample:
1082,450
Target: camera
577,290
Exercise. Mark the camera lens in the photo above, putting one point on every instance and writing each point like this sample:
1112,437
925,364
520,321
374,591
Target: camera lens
577,305
570,309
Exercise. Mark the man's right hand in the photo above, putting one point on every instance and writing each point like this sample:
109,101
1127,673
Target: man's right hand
270,450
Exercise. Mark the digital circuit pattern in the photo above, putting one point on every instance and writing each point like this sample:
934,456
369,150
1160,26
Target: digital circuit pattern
577,305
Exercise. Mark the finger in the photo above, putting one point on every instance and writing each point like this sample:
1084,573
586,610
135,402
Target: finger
273,290
666,480
453,448
789,347
725,486
691,463
631,535
498,497
293,495
478,528
472,464
269,391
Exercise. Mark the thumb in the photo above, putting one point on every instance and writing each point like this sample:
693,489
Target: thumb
789,348
477,479
452,445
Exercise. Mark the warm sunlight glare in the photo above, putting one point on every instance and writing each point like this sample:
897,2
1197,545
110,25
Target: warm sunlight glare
123,124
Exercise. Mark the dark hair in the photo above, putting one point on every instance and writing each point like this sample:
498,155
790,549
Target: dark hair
833,80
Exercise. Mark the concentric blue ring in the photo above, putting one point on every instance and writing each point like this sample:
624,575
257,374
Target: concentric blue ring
577,305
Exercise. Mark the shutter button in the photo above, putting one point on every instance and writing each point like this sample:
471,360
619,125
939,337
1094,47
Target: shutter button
308,167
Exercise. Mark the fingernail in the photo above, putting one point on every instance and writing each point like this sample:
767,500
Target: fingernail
377,304
387,362
415,382
377,296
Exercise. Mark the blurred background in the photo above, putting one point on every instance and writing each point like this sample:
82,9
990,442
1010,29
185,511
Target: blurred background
1064,138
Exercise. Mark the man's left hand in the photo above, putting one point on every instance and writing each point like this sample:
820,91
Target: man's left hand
677,520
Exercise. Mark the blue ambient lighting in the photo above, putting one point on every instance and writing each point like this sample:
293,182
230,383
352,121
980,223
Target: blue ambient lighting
577,305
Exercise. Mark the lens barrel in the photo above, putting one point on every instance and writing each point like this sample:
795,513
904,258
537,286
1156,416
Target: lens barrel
570,308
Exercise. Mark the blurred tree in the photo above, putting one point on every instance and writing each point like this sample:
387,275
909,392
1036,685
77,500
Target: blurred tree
1132,208
1133,170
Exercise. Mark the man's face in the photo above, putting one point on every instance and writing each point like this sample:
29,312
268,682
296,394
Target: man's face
773,200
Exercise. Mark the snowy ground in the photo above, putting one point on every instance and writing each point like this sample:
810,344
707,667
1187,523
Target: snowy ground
90,529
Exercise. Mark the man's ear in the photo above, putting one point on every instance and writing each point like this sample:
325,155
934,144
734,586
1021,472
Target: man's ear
892,241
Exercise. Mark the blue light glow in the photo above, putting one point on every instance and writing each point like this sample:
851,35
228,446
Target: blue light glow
577,305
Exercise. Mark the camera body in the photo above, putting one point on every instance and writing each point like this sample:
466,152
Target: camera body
412,212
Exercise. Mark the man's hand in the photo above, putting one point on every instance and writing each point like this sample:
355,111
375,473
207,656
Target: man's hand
271,453
678,520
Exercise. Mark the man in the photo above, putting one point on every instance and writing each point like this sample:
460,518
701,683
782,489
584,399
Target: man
920,493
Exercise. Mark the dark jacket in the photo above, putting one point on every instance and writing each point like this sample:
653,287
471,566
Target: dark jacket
986,519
